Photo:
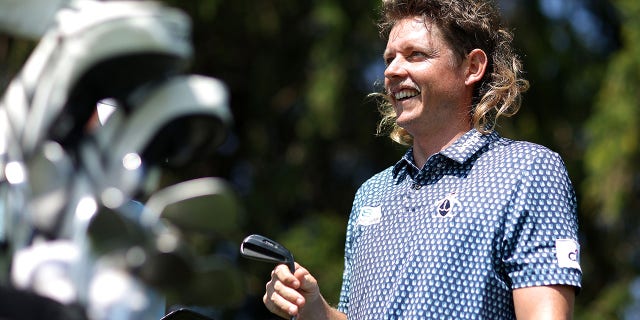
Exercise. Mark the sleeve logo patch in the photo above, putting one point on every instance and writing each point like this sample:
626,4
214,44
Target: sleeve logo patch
369,215
568,253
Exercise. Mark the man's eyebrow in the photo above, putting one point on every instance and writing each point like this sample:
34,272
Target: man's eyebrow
411,48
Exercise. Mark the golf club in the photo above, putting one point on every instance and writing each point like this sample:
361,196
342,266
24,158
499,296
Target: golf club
99,50
261,248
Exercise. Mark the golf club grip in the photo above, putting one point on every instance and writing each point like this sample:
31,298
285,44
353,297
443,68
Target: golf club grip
292,268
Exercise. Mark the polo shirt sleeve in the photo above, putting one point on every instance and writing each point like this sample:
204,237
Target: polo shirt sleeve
540,244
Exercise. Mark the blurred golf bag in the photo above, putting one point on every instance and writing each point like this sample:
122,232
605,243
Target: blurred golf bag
87,228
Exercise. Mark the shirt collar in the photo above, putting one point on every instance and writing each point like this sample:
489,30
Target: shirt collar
460,151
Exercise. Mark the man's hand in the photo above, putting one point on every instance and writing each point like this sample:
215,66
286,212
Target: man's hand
297,294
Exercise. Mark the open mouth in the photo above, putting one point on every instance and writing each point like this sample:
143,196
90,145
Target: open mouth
405,94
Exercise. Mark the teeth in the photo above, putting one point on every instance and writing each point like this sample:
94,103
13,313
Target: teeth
406,94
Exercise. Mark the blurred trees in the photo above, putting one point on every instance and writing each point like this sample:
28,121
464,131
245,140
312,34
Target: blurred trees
611,188
299,72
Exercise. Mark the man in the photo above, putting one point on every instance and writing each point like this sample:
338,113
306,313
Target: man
467,225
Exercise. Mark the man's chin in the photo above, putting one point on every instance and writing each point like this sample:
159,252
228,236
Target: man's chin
404,118
403,123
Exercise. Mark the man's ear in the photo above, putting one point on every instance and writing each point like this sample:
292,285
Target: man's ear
476,66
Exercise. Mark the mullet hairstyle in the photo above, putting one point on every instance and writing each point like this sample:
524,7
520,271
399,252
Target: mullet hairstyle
465,25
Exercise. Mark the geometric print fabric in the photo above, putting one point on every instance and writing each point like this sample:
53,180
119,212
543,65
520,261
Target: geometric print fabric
453,239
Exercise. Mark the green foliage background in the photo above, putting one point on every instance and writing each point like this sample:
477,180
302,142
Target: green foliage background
299,72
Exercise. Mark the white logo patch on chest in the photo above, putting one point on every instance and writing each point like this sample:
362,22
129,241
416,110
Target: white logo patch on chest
369,215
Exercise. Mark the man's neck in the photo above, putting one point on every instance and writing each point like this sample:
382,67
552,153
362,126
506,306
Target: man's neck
426,146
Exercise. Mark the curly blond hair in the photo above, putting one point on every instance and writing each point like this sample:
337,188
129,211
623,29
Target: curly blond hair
465,25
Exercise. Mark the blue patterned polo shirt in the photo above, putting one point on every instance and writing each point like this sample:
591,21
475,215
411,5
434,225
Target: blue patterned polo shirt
452,240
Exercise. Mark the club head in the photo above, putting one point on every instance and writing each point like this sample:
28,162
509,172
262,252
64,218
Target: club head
205,205
99,50
175,120
178,121
261,248
114,229
28,19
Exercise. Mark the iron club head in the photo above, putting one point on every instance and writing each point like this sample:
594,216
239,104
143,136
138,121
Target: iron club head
261,248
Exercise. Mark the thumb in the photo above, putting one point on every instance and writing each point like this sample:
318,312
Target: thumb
308,284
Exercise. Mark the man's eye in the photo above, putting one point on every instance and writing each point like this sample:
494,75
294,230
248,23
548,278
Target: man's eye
418,54
387,61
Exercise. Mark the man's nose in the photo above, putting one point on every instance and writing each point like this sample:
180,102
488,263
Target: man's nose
395,68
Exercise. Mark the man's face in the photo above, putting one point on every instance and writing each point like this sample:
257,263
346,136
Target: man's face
425,81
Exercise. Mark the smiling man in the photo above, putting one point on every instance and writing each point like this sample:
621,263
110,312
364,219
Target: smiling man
468,224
